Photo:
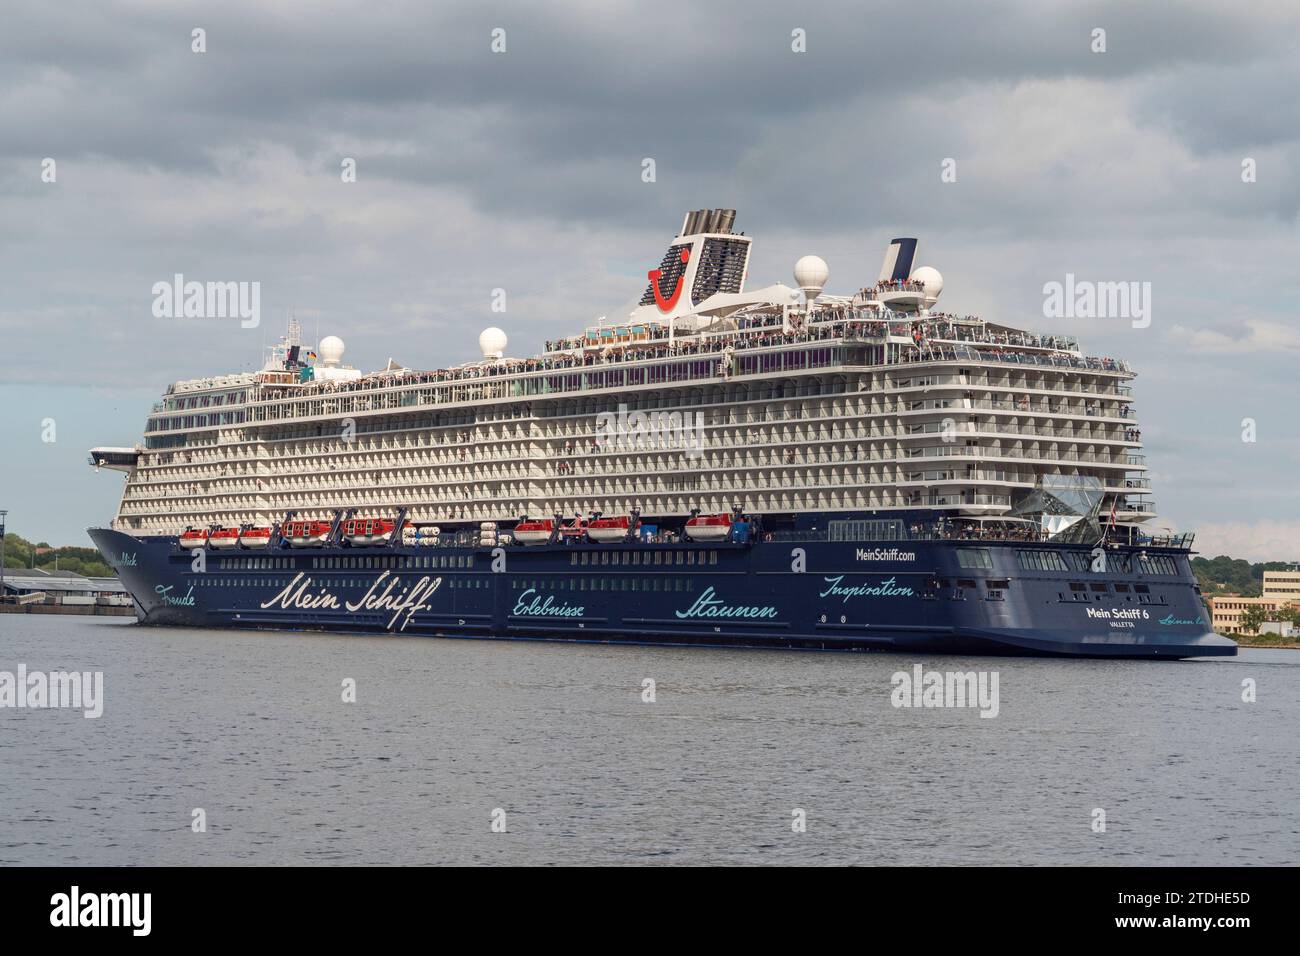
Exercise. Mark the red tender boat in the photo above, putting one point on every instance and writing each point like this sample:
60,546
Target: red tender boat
306,534
361,532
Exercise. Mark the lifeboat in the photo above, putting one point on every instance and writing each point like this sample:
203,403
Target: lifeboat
534,532
306,534
194,538
709,527
255,538
612,529
224,538
364,532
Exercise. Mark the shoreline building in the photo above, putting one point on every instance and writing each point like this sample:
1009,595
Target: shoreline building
1226,610
1282,585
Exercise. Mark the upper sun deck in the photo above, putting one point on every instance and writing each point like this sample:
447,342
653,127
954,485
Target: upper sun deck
696,308
924,338
713,356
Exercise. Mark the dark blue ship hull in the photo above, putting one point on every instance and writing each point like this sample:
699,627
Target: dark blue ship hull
985,597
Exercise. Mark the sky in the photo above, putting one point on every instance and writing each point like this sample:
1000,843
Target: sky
479,169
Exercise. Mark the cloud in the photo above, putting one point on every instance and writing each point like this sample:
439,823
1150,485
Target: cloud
521,171
1254,540
1258,336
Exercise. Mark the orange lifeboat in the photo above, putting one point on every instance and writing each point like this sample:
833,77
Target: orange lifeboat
224,538
709,527
255,538
612,529
534,532
194,538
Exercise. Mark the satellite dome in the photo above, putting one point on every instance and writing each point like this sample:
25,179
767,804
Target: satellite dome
331,350
929,277
811,273
492,342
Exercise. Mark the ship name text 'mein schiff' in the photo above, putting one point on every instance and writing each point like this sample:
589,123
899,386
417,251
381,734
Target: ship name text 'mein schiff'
778,467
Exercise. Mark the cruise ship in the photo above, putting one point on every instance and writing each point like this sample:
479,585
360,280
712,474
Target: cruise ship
778,467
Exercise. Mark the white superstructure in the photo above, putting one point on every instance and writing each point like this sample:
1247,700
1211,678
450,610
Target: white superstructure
867,402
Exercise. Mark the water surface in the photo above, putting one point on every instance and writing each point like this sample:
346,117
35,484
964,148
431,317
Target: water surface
251,727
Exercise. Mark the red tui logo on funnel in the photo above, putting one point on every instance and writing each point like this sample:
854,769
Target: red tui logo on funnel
666,305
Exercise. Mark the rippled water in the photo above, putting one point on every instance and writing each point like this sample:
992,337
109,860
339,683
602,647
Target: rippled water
252,728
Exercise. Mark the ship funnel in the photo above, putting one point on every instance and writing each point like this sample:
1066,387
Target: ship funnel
898,260
717,221
695,268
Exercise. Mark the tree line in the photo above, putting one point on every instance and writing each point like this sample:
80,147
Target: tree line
1225,575
23,555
